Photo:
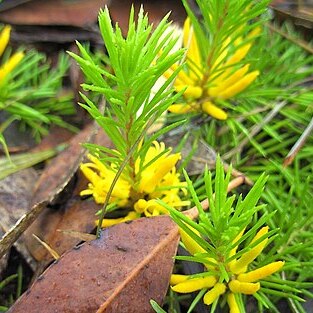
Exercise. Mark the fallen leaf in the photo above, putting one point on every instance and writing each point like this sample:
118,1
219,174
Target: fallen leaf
53,181
61,170
56,12
15,196
121,271
57,135
77,215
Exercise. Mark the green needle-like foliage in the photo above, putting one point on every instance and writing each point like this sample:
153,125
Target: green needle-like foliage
231,234
136,63
32,95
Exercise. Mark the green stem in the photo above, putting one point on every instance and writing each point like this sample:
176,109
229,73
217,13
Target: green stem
118,174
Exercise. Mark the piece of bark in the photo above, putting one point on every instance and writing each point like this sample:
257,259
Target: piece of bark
121,271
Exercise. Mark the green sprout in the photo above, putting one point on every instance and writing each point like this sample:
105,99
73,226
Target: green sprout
231,241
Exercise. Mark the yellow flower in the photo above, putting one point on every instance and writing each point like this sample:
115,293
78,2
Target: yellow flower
155,178
240,280
205,86
13,61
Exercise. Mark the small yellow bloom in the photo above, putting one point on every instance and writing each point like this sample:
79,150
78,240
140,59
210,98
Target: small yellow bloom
14,60
204,86
261,272
177,278
241,265
239,281
107,222
232,303
193,247
4,38
237,286
193,284
155,178
214,293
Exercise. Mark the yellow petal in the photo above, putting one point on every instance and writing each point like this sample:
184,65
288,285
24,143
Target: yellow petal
238,55
241,265
214,293
223,54
194,284
148,184
183,108
232,79
177,278
242,84
191,92
234,250
193,53
211,109
182,78
191,245
113,221
150,207
246,288
261,272
7,67
232,303
91,175
255,32
4,38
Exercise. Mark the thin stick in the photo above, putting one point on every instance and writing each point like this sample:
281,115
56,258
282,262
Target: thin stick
20,226
299,144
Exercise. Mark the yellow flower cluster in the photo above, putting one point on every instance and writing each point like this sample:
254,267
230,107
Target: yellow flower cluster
7,67
155,178
241,281
204,86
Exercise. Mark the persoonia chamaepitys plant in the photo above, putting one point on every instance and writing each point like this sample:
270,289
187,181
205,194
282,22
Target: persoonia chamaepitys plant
139,169
216,70
231,242
30,91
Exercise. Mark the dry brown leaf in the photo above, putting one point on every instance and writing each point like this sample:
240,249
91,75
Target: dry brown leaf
120,272
16,191
77,215
61,170
54,179
57,135
54,12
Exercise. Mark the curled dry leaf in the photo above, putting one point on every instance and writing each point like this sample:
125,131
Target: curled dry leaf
50,185
121,271
15,194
